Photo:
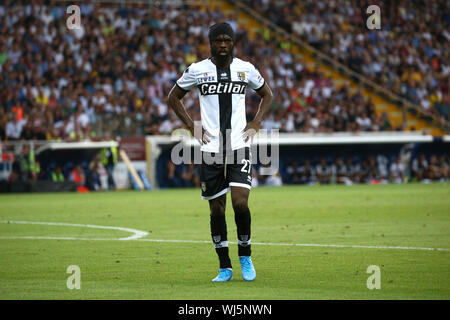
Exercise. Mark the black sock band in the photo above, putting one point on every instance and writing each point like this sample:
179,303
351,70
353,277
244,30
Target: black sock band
219,238
243,223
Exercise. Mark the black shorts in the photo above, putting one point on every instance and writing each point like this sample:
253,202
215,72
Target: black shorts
218,173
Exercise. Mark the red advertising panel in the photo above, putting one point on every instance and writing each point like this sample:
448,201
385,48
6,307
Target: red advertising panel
134,147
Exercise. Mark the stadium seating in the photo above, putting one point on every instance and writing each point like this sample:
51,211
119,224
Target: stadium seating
406,56
114,74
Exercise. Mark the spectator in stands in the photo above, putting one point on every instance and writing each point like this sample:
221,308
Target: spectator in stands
385,124
364,122
37,173
383,162
308,173
340,172
323,171
28,168
109,158
57,175
354,170
434,170
364,171
173,179
190,176
260,174
14,126
445,168
93,182
398,171
372,173
274,180
77,175
293,171
419,168
20,167
255,178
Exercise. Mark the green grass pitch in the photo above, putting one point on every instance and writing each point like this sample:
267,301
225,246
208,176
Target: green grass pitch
319,229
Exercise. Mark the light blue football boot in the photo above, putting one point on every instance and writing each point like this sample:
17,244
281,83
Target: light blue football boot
224,275
248,271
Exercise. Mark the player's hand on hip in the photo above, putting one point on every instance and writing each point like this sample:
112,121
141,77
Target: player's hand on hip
199,133
250,130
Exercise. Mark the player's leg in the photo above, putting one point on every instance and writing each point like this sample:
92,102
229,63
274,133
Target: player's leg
214,189
239,198
242,217
239,177
219,230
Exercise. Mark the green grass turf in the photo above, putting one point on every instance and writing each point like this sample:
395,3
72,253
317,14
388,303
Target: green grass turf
414,215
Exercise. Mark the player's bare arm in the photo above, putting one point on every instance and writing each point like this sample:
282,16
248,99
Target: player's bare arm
253,126
175,102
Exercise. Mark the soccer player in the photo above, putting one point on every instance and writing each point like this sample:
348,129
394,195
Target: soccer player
225,137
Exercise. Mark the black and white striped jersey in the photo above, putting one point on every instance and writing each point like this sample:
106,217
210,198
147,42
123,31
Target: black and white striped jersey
222,99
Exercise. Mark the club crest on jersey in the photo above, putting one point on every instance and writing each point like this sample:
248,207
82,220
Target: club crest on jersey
203,186
241,75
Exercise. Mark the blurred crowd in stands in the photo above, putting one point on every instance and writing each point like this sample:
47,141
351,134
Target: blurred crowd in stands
96,175
113,76
409,54
115,72
93,175
332,170
371,170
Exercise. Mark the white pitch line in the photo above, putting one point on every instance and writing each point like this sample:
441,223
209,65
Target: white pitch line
307,245
231,242
138,234
348,246
56,238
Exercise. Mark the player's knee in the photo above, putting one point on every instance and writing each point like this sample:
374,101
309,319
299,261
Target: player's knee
217,212
240,205
217,206
217,209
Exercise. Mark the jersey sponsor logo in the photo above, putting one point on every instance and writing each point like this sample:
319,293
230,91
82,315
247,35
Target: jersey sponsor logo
206,78
220,87
223,76
241,76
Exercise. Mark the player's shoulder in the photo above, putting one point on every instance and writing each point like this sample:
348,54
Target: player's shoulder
200,65
243,63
